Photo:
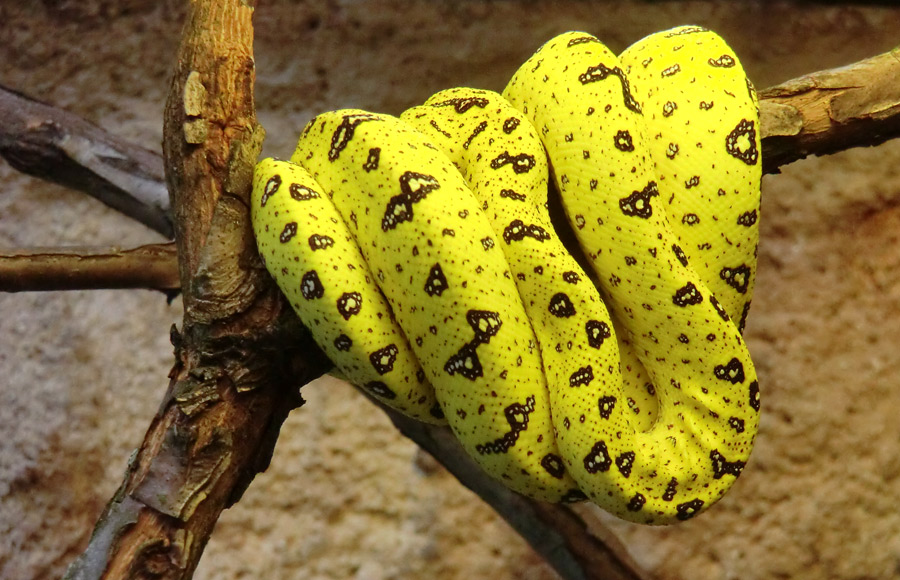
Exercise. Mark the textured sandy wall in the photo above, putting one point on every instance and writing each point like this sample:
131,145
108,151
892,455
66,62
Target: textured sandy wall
81,373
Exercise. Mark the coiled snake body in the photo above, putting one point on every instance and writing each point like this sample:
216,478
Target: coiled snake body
420,253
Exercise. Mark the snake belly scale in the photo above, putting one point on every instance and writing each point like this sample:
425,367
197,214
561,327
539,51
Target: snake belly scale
420,253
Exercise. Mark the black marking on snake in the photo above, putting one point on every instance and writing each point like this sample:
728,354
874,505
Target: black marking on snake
705,106
481,127
310,286
636,503
747,219
754,395
521,163
724,61
561,306
463,104
383,359
510,194
686,30
688,509
625,462
320,242
597,332
694,181
690,219
672,150
349,304
687,295
669,108
601,72
638,203
343,343
738,278
630,260
414,187
580,40
719,309
743,320
571,277
517,231
381,389
510,125
485,324
672,70
436,411
437,128
598,459
623,141
302,193
553,464
517,416
736,424
270,189
745,129
679,253
289,231
671,490
582,377
372,160
436,282
344,132
722,466
733,372
487,243
606,405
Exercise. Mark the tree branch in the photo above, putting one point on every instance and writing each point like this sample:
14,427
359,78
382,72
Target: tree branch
152,266
61,147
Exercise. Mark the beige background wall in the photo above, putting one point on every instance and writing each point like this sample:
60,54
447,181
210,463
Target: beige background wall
81,373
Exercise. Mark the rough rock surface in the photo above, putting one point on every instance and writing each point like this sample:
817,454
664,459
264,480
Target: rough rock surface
346,496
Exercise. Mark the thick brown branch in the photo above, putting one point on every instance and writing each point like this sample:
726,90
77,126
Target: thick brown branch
153,266
58,146
832,110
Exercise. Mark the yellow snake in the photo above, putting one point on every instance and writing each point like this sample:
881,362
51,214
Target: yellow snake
419,252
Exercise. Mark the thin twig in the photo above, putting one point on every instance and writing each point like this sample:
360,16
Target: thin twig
153,266
62,147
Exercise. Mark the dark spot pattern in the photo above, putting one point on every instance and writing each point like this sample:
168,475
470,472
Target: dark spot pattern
690,219
521,163
383,359
745,129
597,332
414,187
754,395
719,309
510,194
724,61
722,467
602,72
638,203
561,305
372,160
670,71
582,377
302,193
688,509
517,416
747,218
436,282
510,125
310,286
553,464
517,231
344,132
463,104
736,424
380,389
687,295
671,490
289,231
623,141
625,462
606,404
343,343
481,127
679,253
733,372
349,304
580,40
270,189
571,277
320,242
598,460
738,278
485,324
637,502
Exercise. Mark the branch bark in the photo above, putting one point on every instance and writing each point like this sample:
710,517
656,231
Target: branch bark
221,410
152,266
62,147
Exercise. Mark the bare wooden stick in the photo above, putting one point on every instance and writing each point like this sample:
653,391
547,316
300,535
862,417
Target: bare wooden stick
58,146
152,266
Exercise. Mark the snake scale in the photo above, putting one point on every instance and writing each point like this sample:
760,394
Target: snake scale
420,253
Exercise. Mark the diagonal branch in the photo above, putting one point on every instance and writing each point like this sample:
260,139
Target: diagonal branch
62,147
